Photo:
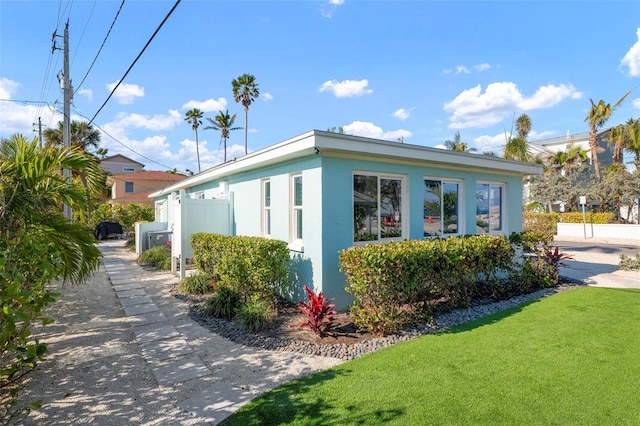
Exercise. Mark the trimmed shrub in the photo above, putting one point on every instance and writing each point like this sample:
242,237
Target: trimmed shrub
255,267
201,283
542,224
159,257
225,304
396,283
257,315
591,217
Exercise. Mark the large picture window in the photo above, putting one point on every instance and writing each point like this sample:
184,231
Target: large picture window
489,208
441,208
377,207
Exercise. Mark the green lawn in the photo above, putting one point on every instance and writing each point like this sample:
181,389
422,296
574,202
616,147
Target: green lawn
573,358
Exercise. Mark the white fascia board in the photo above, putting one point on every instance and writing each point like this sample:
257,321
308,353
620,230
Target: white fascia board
416,154
296,147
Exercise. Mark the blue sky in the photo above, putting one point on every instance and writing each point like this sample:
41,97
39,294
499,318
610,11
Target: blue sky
416,70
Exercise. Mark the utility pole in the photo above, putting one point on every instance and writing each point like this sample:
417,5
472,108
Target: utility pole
65,85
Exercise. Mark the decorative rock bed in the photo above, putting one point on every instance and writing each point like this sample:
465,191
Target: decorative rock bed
234,332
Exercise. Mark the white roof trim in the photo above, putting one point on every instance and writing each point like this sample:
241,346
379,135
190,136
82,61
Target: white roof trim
336,144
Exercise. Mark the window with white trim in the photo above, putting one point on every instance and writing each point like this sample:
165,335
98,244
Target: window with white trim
489,208
296,208
441,209
128,170
199,195
266,208
378,208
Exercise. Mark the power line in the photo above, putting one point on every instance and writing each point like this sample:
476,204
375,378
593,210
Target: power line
124,145
83,31
101,46
136,60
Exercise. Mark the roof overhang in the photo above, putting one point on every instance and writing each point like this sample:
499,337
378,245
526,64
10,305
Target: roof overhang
330,144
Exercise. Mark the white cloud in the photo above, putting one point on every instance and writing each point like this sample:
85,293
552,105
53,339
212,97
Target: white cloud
482,67
636,103
267,97
346,88
491,143
370,130
20,118
126,93
7,88
632,58
447,71
548,96
472,108
330,7
88,93
157,122
208,105
402,113
461,69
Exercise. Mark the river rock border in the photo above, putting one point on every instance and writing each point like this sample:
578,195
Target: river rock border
235,333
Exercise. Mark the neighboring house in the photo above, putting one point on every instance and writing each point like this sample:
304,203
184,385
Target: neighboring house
135,187
118,163
323,192
547,147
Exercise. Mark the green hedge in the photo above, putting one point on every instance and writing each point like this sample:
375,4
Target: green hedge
542,224
255,267
591,217
398,282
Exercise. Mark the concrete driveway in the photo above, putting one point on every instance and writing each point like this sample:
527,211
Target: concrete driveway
595,261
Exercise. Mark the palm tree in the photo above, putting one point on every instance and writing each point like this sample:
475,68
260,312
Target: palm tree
617,139
193,117
597,116
517,149
83,135
633,141
33,191
523,126
223,122
457,145
245,90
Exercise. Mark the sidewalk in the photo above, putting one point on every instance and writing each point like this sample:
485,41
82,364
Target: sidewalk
125,351
595,261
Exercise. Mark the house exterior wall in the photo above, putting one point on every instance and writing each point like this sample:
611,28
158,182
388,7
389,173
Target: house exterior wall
328,196
120,164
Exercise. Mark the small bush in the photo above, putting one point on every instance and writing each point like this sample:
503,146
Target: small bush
319,312
131,244
629,263
159,257
225,304
256,316
201,283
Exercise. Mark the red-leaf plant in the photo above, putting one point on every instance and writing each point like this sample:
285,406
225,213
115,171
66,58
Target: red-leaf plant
319,312
555,258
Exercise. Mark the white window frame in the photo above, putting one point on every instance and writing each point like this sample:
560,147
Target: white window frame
404,206
460,183
128,170
295,240
265,208
503,207
198,195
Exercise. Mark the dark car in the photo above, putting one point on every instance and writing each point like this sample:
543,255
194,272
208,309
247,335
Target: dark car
105,230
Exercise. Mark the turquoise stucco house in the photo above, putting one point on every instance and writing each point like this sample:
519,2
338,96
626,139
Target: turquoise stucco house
322,192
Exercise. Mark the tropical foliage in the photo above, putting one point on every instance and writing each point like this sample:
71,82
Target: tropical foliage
193,117
245,91
38,245
224,123
597,116
83,136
